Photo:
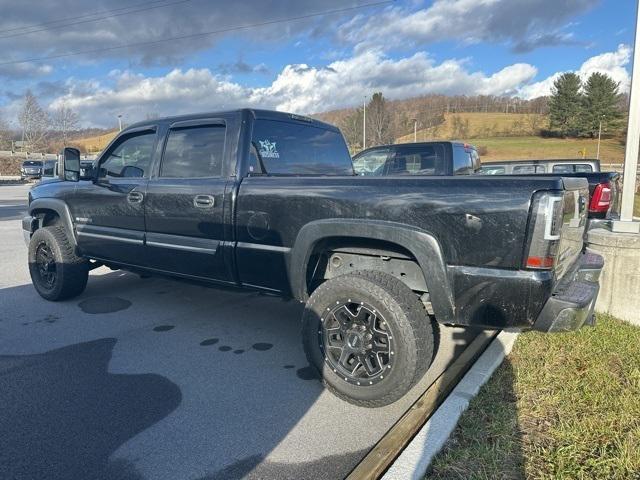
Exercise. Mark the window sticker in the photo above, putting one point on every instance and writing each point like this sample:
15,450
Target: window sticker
268,149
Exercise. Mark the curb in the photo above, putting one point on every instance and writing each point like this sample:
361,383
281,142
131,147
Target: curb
416,457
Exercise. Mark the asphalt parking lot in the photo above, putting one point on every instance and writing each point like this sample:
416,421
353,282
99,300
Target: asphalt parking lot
158,379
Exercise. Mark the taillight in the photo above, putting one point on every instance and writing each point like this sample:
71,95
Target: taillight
544,230
601,198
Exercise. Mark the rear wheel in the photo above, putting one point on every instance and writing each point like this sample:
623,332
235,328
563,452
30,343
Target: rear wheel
369,336
57,273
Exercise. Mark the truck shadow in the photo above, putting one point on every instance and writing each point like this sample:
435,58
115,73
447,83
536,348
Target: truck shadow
161,379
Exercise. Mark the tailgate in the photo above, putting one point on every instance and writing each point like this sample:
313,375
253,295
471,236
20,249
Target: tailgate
574,220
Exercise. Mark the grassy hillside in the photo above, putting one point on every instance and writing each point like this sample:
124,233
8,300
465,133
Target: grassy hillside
473,125
96,143
504,148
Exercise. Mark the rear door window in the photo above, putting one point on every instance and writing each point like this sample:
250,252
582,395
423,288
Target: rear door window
297,148
194,152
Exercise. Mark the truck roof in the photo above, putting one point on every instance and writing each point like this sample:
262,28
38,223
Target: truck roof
254,112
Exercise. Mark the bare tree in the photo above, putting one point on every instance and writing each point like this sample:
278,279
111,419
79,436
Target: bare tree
5,134
378,120
34,122
64,120
351,126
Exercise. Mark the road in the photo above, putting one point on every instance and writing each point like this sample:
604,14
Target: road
159,379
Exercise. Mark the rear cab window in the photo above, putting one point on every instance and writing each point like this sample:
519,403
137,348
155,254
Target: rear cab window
524,169
572,167
297,148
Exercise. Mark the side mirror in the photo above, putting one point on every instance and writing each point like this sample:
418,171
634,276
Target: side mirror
70,164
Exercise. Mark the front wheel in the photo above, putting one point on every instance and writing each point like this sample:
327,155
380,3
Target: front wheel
57,273
369,336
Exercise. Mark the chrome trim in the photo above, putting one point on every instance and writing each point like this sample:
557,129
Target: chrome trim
261,246
110,237
187,248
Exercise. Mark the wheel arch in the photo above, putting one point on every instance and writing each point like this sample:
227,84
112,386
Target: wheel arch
422,246
44,210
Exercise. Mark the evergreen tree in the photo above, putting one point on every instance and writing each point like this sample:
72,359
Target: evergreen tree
600,102
565,105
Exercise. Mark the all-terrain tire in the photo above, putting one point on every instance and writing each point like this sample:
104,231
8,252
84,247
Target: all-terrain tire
410,328
71,271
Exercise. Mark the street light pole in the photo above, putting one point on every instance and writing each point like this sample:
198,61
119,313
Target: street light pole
415,130
364,123
626,223
599,135
120,122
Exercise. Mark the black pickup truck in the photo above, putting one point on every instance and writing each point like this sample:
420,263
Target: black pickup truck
269,201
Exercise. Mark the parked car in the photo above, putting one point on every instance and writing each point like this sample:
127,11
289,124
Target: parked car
605,188
525,167
269,201
423,158
31,170
50,169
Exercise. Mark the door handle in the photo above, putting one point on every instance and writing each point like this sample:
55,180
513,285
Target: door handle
203,201
135,197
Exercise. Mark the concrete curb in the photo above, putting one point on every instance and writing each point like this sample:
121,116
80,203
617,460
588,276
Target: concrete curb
415,459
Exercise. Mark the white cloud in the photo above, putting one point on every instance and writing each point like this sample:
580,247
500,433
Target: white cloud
611,63
523,24
101,35
297,88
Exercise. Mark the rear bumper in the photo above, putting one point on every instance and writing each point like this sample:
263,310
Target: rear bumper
571,304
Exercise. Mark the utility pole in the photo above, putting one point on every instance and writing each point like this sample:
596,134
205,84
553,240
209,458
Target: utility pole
626,224
415,130
120,122
599,135
364,123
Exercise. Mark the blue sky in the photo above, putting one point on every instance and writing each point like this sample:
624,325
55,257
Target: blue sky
315,63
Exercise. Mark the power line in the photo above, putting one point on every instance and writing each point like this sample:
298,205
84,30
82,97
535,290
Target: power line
195,35
54,27
98,12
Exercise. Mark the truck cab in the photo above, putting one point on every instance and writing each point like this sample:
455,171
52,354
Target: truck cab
420,158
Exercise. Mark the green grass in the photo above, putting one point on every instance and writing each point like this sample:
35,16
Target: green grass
505,148
560,406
